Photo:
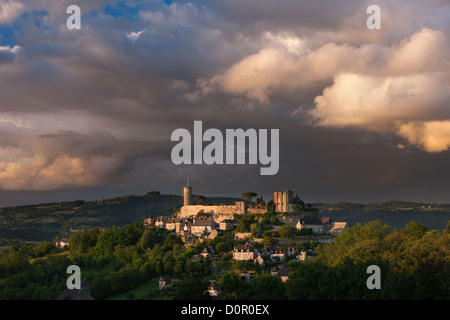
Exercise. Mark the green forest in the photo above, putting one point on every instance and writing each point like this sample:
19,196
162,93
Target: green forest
414,263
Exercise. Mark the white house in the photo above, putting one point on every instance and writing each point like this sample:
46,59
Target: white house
62,243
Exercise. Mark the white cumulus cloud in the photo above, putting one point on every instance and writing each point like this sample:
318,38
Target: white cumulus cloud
135,35
10,10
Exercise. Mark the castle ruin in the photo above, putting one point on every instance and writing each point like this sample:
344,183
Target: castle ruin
284,201
219,213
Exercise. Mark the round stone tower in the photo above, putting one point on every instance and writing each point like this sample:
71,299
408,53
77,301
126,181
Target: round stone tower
187,194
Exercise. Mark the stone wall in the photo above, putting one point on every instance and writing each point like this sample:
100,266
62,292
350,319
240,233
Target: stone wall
253,210
243,235
219,213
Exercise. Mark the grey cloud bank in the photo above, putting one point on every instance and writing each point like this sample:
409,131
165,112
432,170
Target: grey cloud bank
363,114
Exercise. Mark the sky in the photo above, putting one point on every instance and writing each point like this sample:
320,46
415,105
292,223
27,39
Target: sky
363,115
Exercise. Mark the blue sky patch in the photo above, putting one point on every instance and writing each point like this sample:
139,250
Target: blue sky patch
7,36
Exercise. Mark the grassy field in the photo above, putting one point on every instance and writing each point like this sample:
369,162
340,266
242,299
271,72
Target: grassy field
142,292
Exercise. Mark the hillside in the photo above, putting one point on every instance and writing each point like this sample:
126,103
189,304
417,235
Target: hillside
44,222
394,213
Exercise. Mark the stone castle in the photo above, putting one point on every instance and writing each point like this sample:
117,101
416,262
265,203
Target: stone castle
218,213
283,202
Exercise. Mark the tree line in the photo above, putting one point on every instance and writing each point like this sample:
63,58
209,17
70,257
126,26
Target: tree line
414,263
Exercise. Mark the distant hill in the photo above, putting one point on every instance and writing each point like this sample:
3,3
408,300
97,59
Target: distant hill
44,222
394,213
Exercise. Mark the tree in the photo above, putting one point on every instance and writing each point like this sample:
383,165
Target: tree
82,242
127,235
359,242
150,238
42,249
270,206
200,199
267,287
192,288
254,227
249,196
171,240
303,280
244,223
179,268
12,262
202,215
447,228
286,231
415,230
232,286
168,263
222,247
101,287
239,265
260,201
267,241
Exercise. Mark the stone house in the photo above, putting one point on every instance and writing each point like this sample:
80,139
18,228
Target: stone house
259,260
189,241
213,234
149,221
281,271
164,282
213,289
200,227
306,255
327,223
207,252
246,275
171,224
338,227
184,227
245,252
62,243
227,223
315,225
274,252
292,252
160,222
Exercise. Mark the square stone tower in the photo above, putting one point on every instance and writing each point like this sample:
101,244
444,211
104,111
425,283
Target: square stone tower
283,201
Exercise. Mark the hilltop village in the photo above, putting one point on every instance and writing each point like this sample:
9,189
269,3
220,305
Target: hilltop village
266,232
242,249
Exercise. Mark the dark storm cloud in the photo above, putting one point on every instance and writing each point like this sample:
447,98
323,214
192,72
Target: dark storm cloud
94,108
289,14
